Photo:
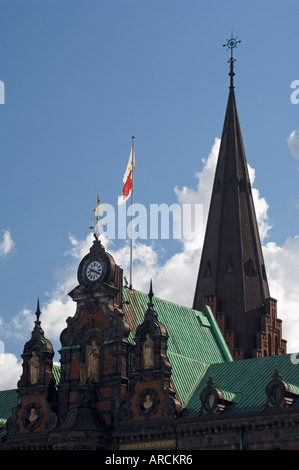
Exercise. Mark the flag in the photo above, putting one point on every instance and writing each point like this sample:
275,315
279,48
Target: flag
127,179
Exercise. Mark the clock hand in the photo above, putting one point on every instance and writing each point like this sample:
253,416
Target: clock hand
94,271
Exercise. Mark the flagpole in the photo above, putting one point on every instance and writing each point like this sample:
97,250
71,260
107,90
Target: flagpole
132,200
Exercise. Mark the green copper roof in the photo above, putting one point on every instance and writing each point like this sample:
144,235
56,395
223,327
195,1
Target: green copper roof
8,400
194,341
56,373
186,373
244,382
191,333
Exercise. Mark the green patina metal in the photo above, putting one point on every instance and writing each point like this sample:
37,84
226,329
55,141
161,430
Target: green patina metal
192,334
194,338
244,383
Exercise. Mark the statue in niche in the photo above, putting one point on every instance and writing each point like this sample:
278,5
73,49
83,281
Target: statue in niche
33,416
148,403
148,353
34,368
93,372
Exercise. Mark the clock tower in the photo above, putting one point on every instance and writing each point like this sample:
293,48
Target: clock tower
94,352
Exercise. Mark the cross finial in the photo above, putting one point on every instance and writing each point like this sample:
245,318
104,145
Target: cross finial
231,44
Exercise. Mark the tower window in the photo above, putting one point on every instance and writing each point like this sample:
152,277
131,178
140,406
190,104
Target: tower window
229,267
249,268
207,271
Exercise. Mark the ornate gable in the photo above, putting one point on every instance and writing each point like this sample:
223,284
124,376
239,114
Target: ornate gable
152,394
37,399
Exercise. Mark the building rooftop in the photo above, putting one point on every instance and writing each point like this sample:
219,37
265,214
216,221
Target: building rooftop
197,353
244,383
194,341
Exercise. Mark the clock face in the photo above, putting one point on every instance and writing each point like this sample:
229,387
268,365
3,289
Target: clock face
96,267
94,271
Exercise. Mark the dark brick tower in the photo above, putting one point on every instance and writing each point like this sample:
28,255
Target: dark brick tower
232,276
94,376
152,394
36,411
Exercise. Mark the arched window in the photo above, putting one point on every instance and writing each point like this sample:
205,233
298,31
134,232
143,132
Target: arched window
207,272
249,268
269,344
276,345
229,267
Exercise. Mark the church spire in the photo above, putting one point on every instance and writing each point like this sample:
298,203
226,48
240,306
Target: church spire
232,277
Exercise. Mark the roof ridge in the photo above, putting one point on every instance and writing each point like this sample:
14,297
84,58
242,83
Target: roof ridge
163,300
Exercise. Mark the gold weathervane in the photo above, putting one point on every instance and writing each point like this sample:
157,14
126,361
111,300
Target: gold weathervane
95,221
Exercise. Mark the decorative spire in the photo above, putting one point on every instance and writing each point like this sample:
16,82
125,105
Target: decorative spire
37,330
37,313
150,313
151,295
95,221
231,44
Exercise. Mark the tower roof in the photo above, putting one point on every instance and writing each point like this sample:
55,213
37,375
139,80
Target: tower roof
37,336
232,265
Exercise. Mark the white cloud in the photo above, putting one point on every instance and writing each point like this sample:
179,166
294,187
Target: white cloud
10,371
261,207
7,244
200,195
293,143
282,264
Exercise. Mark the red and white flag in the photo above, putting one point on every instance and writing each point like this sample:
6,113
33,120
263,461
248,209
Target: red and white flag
128,179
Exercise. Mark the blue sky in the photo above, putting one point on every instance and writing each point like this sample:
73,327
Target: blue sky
81,78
